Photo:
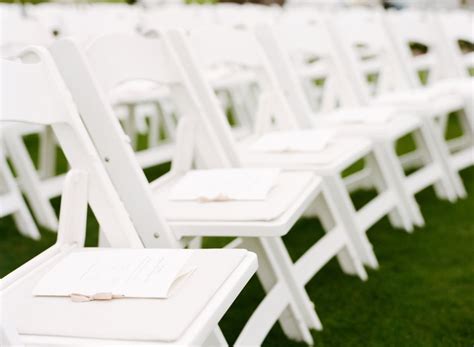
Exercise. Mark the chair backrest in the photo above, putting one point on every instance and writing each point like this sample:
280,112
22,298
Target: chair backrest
413,33
119,58
33,91
206,48
456,32
314,59
370,60
225,46
18,32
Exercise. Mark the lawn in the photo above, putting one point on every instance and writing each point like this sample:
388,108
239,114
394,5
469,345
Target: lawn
422,295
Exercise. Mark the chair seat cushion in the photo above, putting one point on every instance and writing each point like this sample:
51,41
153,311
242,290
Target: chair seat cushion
127,319
338,154
423,100
392,125
289,187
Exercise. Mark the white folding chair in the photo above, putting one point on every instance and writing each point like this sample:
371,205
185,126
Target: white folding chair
314,40
188,317
391,88
89,75
442,93
58,321
11,200
241,48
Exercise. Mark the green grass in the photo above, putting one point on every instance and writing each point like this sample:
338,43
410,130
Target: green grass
422,295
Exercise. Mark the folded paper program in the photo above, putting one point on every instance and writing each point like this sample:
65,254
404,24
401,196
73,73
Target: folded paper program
99,274
293,141
225,185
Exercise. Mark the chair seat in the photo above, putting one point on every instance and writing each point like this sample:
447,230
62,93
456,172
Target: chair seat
460,86
137,92
338,155
422,100
290,187
218,278
390,125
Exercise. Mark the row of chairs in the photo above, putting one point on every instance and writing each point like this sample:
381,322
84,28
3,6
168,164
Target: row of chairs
306,80
137,104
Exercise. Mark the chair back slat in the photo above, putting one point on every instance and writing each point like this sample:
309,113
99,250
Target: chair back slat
32,82
216,45
134,58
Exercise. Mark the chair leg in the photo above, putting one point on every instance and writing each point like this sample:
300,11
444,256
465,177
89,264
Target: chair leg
239,106
215,338
389,159
283,265
329,216
103,242
463,157
47,153
153,128
22,217
170,125
130,125
467,126
285,301
407,211
450,184
380,184
30,182
343,204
